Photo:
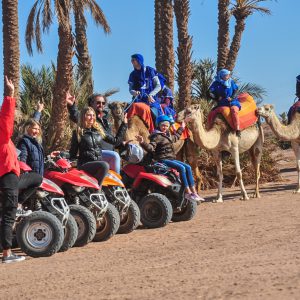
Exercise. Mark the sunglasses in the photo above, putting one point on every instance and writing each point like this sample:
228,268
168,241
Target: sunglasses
100,102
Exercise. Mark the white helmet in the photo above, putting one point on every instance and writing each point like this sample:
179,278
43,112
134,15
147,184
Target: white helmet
134,153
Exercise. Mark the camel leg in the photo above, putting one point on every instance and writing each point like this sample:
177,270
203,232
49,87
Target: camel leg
218,159
255,155
296,149
238,171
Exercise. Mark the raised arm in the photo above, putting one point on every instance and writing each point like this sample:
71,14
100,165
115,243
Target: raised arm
7,113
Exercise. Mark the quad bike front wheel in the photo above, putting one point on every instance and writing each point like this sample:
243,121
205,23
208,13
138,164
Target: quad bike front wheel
108,225
71,234
156,210
131,219
86,224
187,212
40,234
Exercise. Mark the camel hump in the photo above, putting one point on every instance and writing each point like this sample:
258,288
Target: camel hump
247,114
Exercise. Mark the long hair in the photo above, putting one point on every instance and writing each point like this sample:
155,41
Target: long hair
30,123
82,125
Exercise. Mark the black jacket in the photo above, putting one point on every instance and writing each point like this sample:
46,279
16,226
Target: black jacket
161,145
89,148
74,117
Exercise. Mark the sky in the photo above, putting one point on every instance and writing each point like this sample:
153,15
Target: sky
269,55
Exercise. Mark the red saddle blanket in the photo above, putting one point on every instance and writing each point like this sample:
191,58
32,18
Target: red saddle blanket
143,111
247,114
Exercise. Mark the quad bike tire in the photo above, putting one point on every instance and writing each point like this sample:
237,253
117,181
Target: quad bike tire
109,224
86,224
187,213
40,234
156,210
131,220
71,234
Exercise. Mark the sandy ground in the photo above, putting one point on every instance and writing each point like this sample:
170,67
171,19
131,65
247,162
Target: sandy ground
234,250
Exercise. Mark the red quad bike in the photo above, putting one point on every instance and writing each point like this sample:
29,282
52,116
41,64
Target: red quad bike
97,219
49,197
159,194
40,233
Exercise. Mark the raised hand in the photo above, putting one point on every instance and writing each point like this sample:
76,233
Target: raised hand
10,87
139,138
183,124
40,106
136,93
70,100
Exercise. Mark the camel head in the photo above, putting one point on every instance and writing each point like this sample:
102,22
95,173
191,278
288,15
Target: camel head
117,109
266,111
192,112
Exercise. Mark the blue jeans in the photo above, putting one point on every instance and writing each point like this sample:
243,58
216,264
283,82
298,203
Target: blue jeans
185,171
113,159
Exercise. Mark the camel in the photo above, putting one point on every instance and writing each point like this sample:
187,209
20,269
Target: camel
289,132
221,138
136,126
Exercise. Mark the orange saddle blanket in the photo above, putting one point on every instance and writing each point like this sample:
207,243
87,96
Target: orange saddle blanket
247,114
143,111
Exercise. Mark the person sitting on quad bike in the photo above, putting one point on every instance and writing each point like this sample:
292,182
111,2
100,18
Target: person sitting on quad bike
223,90
9,174
144,84
86,142
161,145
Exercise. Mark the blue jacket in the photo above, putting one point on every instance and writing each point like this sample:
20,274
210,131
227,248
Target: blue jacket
217,89
32,153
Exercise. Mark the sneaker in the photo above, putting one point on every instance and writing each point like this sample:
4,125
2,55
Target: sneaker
199,198
12,258
22,212
191,197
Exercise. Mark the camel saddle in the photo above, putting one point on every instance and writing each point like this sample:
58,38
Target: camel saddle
143,111
247,114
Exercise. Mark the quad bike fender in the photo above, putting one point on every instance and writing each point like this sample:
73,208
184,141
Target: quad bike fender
158,179
113,179
49,186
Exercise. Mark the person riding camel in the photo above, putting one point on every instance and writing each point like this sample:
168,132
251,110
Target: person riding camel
224,90
144,84
162,147
296,105
167,105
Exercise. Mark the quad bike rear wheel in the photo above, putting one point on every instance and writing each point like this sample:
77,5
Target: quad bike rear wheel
71,234
131,220
40,234
109,224
86,224
187,213
156,210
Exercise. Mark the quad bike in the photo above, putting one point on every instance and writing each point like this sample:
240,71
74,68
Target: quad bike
97,219
159,194
50,198
116,193
40,233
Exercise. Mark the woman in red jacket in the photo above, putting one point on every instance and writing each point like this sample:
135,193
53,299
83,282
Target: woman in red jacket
9,174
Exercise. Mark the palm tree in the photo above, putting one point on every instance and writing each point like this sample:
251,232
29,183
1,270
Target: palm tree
11,51
158,34
223,32
168,60
84,59
241,10
184,52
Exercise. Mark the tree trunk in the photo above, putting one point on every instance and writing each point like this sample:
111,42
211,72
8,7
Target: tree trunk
168,60
63,83
158,36
84,60
223,33
11,51
184,53
236,43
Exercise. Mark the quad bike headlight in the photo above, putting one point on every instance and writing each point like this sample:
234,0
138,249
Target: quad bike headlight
78,189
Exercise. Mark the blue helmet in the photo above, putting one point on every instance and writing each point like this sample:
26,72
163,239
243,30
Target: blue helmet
162,118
